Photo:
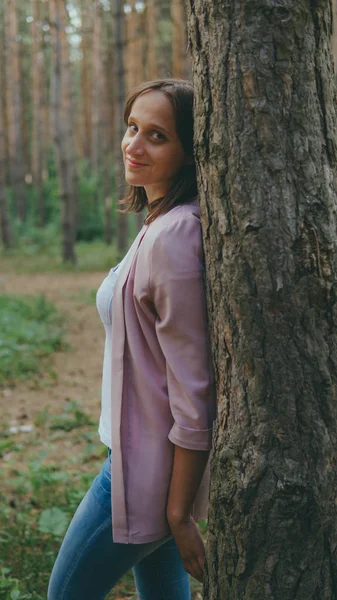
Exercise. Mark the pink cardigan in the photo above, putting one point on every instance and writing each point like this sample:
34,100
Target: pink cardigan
162,384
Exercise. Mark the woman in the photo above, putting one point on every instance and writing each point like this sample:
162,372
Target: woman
158,400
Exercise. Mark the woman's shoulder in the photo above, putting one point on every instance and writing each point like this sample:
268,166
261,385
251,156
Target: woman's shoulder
174,219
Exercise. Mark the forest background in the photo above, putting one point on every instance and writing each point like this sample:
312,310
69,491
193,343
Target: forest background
65,70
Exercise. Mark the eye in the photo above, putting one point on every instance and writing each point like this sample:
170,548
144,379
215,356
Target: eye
159,137
132,126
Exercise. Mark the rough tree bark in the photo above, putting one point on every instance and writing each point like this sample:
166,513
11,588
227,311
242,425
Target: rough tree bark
334,34
265,137
119,42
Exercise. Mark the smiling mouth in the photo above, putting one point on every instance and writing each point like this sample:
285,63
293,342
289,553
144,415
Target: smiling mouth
134,164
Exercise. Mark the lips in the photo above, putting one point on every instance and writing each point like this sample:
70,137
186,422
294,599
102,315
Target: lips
134,164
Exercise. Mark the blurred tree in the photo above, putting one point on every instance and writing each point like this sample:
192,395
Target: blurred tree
97,124
181,65
108,129
135,60
86,11
6,233
163,39
37,69
14,117
151,31
119,90
3,92
61,103
266,148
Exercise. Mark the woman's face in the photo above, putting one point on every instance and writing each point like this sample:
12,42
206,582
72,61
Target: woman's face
152,151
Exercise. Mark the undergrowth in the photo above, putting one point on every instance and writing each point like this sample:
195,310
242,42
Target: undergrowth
35,258
30,329
42,487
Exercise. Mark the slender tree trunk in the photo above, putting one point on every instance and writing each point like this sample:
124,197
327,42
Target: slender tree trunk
6,233
152,18
47,133
37,134
25,88
62,126
108,128
163,41
158,41
14,109
109,78
97,90
181,66
134,47
135,61
86,78
3,92
119,38
265,136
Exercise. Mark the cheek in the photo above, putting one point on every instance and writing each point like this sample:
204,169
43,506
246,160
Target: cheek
124,143
177,161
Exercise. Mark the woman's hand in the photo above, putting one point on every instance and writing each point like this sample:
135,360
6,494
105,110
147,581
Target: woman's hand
190,545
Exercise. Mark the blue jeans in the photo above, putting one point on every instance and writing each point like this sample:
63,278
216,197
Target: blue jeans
89,563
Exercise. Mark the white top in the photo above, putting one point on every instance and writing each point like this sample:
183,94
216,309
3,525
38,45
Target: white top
104,303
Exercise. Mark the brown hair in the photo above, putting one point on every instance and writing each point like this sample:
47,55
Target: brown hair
184,189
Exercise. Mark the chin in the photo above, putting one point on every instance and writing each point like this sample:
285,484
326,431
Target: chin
134,181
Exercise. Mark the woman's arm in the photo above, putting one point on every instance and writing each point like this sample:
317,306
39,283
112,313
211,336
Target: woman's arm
188,469
178,295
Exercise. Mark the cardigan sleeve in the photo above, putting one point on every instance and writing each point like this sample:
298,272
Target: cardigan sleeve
178,294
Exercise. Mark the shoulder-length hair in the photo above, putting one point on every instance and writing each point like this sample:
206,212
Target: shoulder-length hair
184,188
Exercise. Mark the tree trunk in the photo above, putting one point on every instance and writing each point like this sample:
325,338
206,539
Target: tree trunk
108,127
6,233
181,67
62,126
3,92
119,40
152,17
14,109
37,137
97,90
135,47
334,34
265,136
86,78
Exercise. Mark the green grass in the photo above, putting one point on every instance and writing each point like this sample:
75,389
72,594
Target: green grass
33,258
45,474
30,329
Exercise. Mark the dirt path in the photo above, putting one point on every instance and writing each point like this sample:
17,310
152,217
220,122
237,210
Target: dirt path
78,371
78,378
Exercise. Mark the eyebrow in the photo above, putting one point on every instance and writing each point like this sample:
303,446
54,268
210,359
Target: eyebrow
151,125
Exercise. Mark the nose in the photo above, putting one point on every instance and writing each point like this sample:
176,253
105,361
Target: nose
135,146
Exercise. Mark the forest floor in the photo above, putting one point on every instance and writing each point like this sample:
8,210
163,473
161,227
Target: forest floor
75,374
42,464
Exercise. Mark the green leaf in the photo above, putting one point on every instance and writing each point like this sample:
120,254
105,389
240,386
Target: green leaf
53,520
15,594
